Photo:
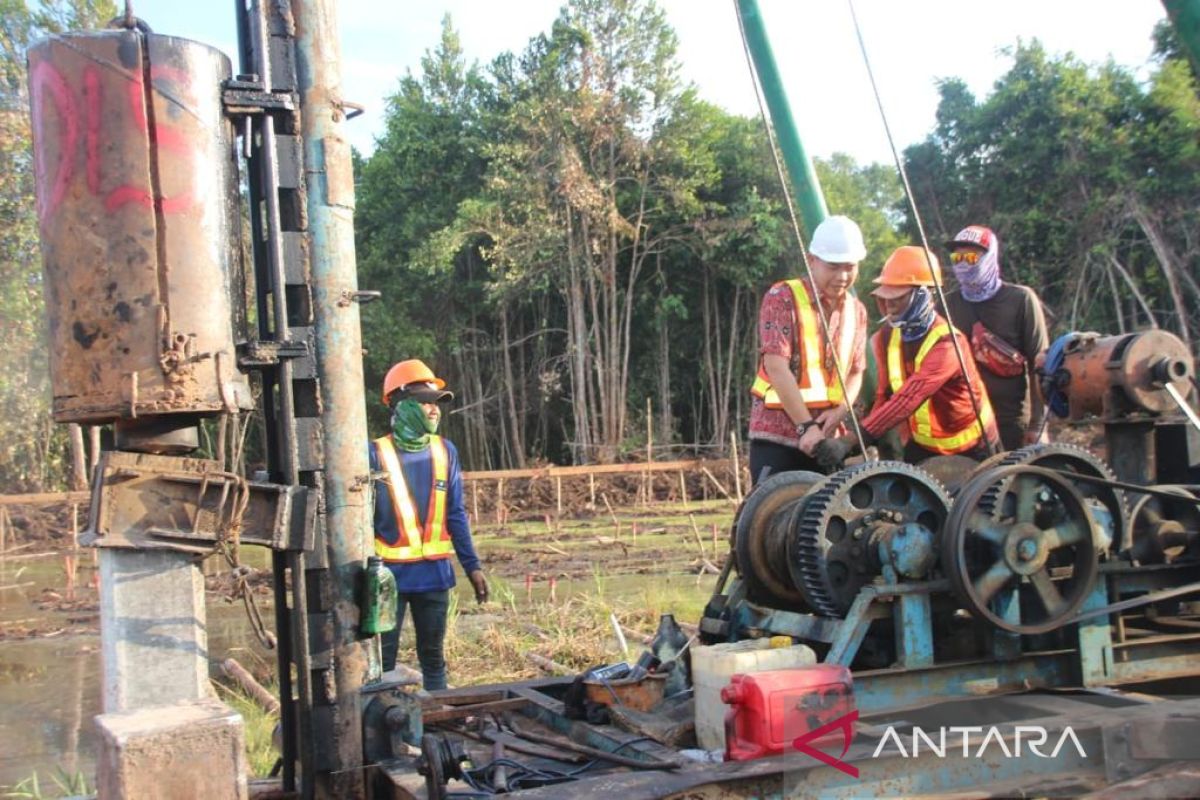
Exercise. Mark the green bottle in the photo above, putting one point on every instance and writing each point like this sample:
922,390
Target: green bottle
379,600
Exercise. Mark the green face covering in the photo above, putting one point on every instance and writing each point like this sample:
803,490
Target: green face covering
411,427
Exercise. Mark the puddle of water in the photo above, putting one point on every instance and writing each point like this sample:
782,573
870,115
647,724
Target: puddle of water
50,688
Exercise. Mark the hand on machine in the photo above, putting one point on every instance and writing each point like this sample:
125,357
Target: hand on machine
831,454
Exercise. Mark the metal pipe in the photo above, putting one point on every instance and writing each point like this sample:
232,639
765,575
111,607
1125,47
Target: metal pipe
804,178
1185,16
330,194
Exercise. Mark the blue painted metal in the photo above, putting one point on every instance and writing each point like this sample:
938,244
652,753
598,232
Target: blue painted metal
882,690
914,631
852,630
755,621
1094,638
1006,644
907,552
330,216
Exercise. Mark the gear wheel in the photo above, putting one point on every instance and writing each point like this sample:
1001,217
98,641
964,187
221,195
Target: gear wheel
1063,458
829,550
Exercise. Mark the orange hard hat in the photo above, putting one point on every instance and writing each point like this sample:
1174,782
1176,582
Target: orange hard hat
414,370
907,267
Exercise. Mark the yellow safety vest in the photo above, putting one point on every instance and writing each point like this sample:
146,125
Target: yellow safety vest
927,430
818,388
413,542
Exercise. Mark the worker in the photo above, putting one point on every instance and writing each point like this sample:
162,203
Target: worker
920,380
1007,329
420,518
798,398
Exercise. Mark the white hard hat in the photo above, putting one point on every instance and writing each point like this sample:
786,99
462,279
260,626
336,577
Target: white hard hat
838,240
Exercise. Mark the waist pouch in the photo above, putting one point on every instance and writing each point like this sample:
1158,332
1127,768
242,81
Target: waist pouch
994,354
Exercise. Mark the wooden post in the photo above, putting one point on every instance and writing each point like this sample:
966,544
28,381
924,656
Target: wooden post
74,527
3,530
592,487
79,478
737,469
93,449
714,539
683,490
500,502
475,500
558,491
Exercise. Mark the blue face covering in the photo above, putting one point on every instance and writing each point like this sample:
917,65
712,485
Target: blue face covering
917,319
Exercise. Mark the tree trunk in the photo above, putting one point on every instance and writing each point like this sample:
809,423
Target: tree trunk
1166,260
514,434
79,473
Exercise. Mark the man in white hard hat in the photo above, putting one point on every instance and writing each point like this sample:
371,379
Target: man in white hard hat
798,397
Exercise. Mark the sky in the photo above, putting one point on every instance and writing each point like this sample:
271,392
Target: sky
911,45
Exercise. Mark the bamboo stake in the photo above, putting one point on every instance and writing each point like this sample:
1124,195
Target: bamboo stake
714,537
3,530
699,541
592,487
475,500
558,491
717,483
737,470
683,496
611,513
500,502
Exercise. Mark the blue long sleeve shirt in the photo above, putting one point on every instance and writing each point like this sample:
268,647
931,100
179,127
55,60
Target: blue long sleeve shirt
425,575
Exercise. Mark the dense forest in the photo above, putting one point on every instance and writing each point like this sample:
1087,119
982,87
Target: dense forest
579,243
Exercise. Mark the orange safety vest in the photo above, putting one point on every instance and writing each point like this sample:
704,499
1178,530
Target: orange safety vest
413,543
818,388
926,429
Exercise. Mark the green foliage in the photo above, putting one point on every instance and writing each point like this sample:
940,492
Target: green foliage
31,448
65,784
1088,176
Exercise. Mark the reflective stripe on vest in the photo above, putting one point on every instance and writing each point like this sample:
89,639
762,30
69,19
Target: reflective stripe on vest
926,430
818,389
414,543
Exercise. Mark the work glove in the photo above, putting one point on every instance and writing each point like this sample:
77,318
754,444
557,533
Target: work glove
479,584
831,453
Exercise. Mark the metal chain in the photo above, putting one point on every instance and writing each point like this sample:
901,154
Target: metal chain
228,544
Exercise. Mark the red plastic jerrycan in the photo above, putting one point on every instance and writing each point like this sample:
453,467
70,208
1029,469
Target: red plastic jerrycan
770,710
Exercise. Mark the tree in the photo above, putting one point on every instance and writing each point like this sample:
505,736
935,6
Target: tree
31,448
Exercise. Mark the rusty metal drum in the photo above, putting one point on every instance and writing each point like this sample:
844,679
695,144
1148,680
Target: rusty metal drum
137,194
1112,376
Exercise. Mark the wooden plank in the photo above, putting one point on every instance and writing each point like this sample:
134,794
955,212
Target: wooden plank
44,498
596,469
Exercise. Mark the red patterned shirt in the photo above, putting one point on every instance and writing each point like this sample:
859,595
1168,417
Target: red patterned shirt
777,335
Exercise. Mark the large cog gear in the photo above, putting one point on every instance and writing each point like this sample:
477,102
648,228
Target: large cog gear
829,550
1062,458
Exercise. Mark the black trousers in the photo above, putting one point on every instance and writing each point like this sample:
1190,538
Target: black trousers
429,622
768,458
